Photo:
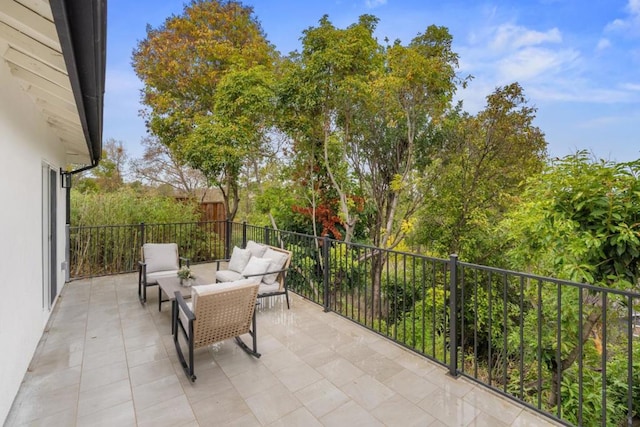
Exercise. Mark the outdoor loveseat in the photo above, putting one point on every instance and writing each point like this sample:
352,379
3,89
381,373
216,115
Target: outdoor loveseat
268,263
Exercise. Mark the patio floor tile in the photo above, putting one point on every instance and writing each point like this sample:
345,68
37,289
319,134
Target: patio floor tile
105,359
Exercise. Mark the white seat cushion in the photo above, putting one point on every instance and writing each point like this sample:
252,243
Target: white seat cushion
160,256
153,277
227,275
267,289
218,287
183,316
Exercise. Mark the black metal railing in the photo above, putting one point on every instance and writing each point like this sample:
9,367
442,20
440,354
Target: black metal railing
115,249
568,350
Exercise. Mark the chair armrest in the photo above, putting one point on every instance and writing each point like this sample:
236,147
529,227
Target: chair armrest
218,261
182,305
142,272
268,272
185,260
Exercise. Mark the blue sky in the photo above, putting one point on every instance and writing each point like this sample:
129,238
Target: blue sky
577,60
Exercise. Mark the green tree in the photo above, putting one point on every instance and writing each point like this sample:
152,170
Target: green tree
194,68
480,165
363,111
391,133
317,94
108,176
578,220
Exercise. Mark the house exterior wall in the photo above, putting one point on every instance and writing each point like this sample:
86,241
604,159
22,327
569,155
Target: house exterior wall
25,145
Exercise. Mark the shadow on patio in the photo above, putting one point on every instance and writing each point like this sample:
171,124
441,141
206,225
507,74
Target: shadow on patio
106,360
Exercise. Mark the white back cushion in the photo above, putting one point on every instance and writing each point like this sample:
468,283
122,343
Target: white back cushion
256,266
239,259
160,256
277,260
257,250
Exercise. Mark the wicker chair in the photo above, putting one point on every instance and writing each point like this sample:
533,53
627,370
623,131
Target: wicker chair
215,313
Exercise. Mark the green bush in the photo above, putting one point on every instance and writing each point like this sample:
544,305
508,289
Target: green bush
125,207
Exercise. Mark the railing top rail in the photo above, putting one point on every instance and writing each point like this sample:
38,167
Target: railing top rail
146,224
535,277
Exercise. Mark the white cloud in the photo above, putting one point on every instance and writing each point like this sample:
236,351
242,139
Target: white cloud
603,44
580,91
629,24
531,62
617,25
549,69
372,4
509,36
631,86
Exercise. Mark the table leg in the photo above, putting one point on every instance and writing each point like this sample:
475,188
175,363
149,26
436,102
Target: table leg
174,308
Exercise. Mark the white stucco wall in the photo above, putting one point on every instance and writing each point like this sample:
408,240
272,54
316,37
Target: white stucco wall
25,143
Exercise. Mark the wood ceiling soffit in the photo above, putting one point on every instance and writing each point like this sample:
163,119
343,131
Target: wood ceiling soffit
32,50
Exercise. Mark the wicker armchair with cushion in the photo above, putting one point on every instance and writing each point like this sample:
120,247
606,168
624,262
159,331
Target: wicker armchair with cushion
157,260
215,313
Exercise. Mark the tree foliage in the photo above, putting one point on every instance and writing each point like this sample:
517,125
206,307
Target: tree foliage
207,90
477,166
580,220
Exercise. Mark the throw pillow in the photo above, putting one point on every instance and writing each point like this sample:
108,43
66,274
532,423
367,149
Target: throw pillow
257,250
277,260
256,268
239,259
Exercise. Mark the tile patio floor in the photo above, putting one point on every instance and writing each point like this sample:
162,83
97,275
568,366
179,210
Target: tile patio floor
105,360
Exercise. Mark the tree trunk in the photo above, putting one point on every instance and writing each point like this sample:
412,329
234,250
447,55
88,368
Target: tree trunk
378,260
587,328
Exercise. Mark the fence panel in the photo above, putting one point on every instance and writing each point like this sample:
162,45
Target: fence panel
115,249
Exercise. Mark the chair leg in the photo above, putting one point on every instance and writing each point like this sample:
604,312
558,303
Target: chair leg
177,327
252,351
140,287
286,295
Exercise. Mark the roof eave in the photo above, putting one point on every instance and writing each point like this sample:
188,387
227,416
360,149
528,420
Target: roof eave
81,27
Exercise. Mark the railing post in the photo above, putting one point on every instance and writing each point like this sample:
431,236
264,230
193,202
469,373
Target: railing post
142,234
325,270
453,315
244,234
227,235
267,236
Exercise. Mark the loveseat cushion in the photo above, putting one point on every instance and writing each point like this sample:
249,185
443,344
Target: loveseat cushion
257,250
239,259
277,261
227,275
267,289
256,268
